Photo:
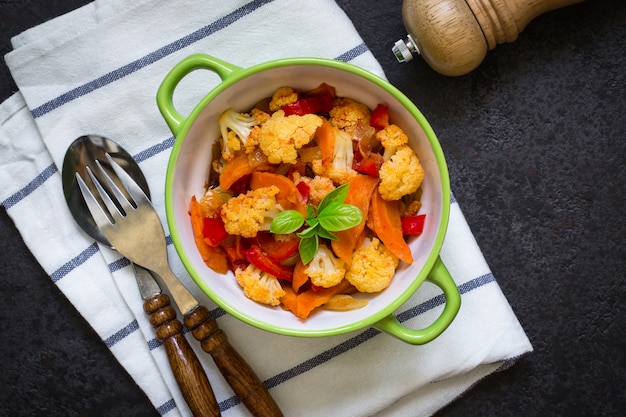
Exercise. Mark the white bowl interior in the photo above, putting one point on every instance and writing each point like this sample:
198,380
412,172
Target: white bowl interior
190,164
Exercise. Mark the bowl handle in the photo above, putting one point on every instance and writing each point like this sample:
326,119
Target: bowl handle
191,63
439,276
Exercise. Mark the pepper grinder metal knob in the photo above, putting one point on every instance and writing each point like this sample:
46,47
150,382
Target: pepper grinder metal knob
453,36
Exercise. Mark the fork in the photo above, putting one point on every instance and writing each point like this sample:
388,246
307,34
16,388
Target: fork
135,230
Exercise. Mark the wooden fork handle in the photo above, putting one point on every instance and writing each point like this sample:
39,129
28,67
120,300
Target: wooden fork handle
233,367
187,369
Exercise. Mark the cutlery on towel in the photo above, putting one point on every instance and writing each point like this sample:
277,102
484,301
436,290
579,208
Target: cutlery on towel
186,367
136,232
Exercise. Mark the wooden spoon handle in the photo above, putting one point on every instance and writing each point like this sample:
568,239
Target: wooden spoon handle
233,367
187,369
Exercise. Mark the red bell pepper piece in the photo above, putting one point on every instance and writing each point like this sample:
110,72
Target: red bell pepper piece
256,257
322,89
214,231
369,165
276,250
304,190
413,225
314,104
380,117
232,246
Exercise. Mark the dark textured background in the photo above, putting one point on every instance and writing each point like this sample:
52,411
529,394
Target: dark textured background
535,139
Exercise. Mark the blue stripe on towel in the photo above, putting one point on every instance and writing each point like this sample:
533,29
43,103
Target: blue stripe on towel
154,343
165,51
229,403
118,264
51,169
476,283
121,334
321,358
166,407
148,59
48,172
154,150
353,53
75,262
360,338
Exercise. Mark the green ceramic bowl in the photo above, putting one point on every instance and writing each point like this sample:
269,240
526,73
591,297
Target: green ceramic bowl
188,169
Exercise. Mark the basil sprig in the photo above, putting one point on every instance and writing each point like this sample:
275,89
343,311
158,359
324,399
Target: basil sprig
332,215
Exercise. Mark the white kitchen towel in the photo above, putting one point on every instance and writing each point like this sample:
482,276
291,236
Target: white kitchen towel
97,70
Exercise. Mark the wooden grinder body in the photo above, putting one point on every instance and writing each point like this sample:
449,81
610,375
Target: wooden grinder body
453,36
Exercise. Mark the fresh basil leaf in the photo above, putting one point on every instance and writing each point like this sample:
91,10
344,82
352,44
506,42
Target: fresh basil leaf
312,222
323,233
308,248
338,195
310,212
311,231
336,217
286,222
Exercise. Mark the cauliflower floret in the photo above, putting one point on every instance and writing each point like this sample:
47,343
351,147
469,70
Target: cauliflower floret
340,169
281,137
325,270
391,137
401,175
412,209
247,214
235,129
401,172
259,286
372,268
260,116
347,113
283,96
253,139
318,188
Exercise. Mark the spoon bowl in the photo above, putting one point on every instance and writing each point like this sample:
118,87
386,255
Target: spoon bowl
83,153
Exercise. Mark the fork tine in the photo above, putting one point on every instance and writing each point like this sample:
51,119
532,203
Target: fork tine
133,189
124,203
97,212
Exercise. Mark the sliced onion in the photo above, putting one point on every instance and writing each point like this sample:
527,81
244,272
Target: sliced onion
310,153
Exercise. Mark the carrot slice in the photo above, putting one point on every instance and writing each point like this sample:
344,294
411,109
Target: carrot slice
299,277
310,300
384,220
213,257
361,189
234,170
288,195
289,301
325,139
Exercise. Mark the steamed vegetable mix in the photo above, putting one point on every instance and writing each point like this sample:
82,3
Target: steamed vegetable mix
310,200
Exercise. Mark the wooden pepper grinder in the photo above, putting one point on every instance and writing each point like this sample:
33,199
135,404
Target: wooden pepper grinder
453,36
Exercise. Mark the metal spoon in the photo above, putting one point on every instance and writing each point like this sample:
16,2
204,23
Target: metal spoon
81,154
191,378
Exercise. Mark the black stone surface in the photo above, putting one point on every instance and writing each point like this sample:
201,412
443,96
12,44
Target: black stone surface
535,140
